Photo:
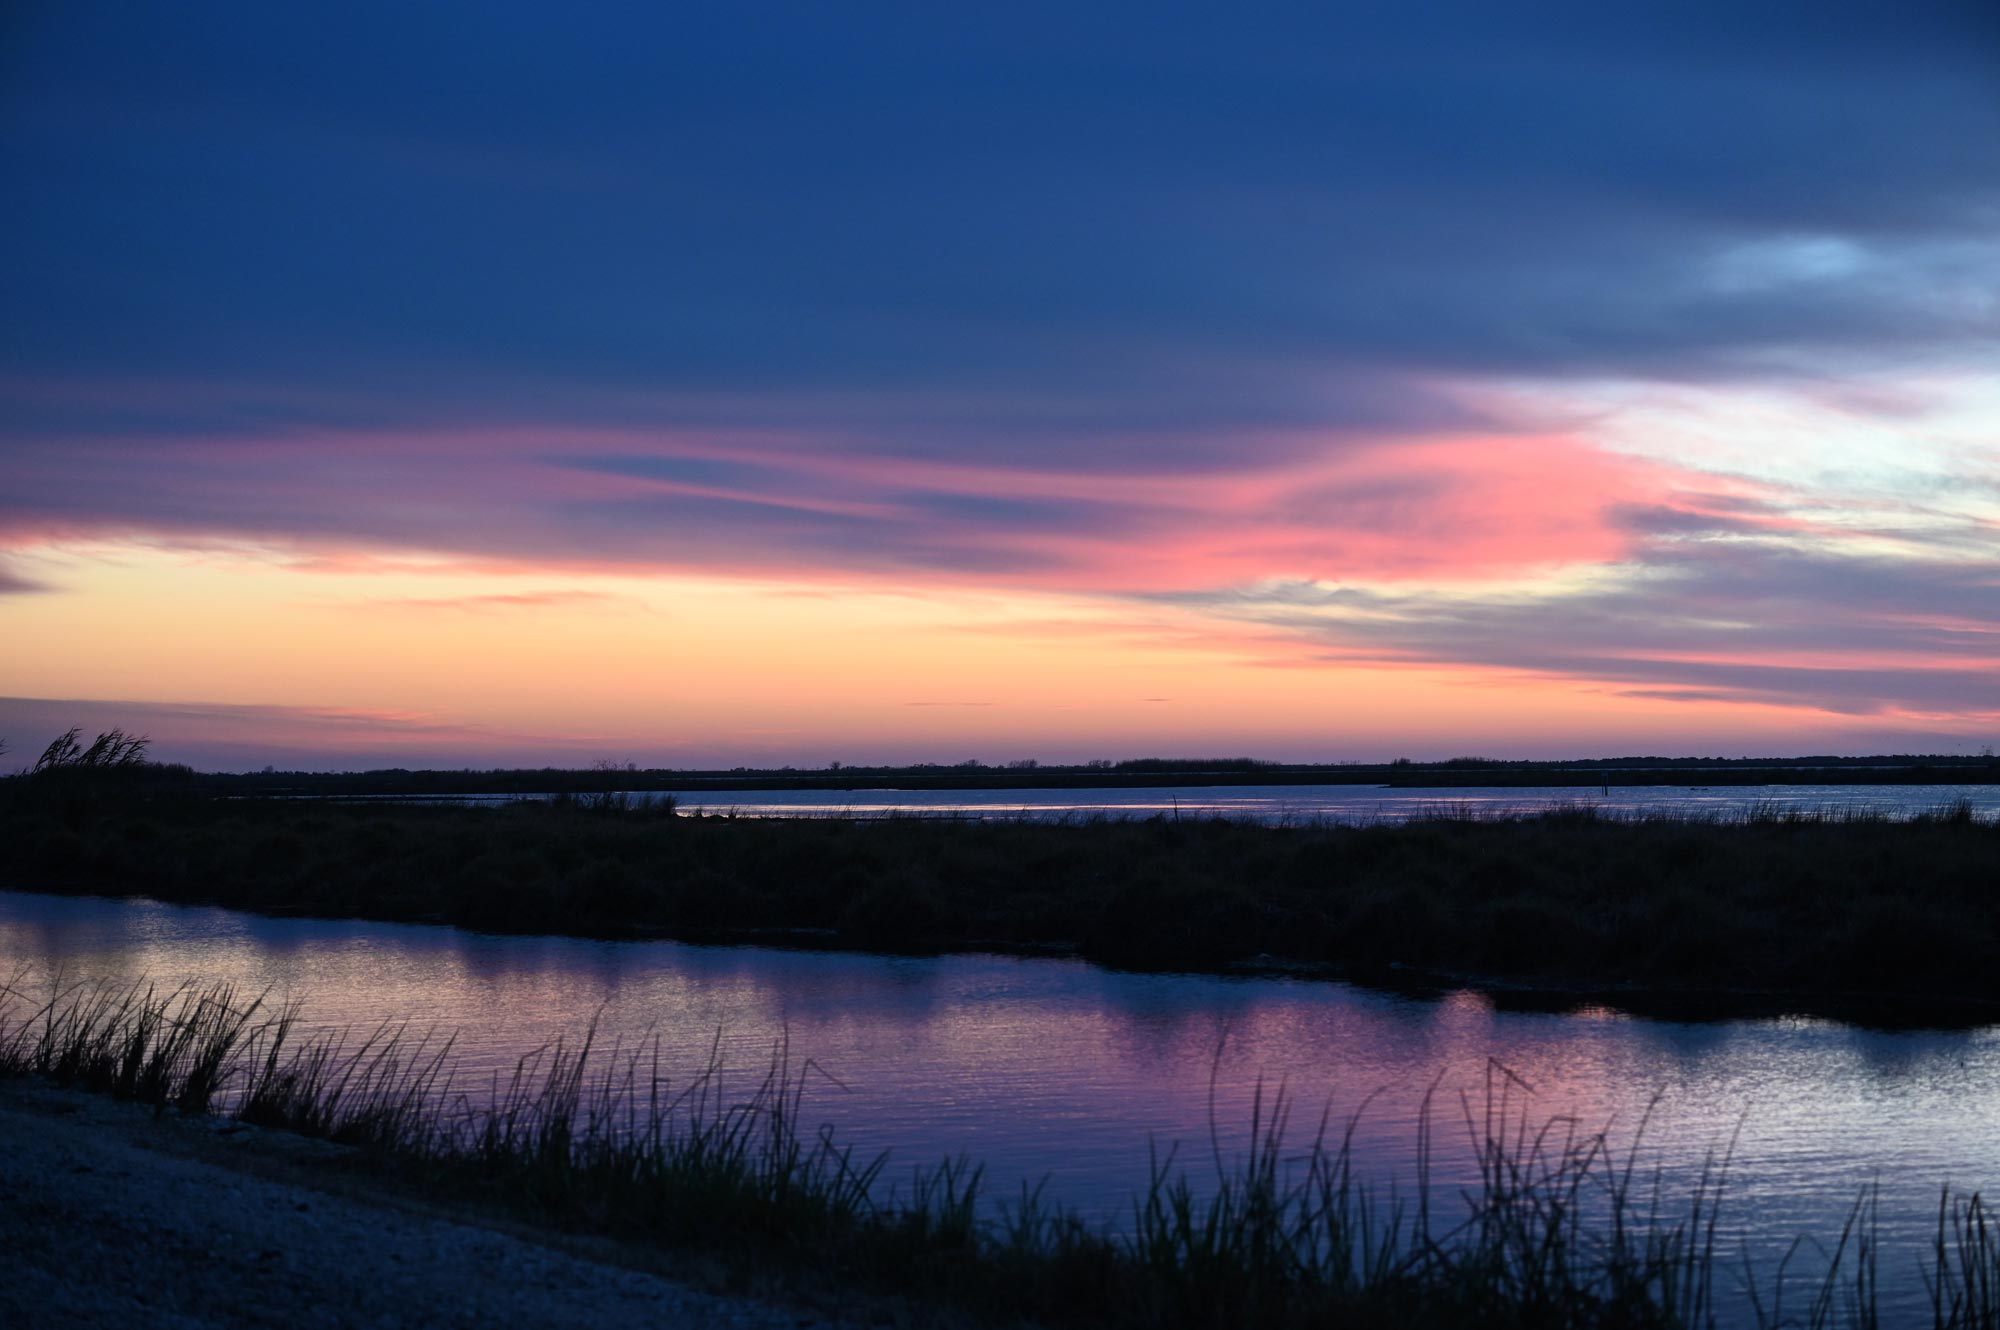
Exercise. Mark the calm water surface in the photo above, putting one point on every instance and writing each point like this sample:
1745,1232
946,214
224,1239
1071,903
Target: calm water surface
1058,1070
1332,803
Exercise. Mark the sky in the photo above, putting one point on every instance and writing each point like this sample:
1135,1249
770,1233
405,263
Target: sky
784,383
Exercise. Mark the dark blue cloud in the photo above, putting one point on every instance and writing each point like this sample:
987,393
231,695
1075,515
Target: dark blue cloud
1114,217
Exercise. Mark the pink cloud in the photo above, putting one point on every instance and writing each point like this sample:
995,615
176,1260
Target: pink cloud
776,506
1449,549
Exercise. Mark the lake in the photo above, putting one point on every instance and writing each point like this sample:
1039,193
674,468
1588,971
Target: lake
1059,1071
1331,803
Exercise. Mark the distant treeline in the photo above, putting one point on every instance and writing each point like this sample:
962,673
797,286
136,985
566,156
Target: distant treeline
1148,772
1141,772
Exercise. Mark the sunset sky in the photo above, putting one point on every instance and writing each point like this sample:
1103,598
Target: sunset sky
763,383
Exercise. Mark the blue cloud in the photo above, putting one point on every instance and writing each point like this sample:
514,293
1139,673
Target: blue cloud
1107,217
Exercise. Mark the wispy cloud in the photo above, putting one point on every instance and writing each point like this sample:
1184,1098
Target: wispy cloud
1528,552
501,602
1473,505
1710,620
226,736
14,584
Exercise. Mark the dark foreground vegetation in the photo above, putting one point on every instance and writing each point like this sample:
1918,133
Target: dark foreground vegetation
1841,913
1561,1229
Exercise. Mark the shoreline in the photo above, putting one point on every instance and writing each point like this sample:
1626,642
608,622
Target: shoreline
119,1214
1135,774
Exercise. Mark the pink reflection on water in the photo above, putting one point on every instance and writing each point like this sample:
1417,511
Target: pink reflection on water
1056,1069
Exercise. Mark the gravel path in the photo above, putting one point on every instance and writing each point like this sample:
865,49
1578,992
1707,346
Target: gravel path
111,1217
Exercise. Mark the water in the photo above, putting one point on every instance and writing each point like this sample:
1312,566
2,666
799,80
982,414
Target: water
1057,1070
1332,803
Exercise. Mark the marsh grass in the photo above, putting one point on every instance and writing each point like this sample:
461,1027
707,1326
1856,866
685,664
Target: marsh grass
169,1048
1837,908
1557,1229
382,1092
615,803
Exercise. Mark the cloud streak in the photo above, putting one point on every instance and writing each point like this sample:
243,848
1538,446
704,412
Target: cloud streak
14,584
1524,552
1713,620
224,736
503,602
1468,506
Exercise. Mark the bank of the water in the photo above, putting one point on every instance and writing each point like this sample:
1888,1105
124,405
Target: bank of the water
1852,915
119,1216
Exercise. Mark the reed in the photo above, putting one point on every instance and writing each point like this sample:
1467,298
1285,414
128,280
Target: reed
1560,1229
169,1048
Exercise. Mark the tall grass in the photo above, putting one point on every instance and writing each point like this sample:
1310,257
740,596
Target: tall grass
1558,1228
1831,910
616,803
173,1048
384,1092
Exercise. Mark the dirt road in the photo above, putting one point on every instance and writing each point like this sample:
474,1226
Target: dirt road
110,1216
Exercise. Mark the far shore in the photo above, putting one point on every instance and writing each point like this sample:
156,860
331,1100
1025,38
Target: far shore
1138,773
1871,918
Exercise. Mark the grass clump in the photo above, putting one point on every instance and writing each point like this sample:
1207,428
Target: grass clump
172,1048
1557,1230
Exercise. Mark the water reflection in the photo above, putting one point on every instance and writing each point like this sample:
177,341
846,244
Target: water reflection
1057,1069
1331,803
